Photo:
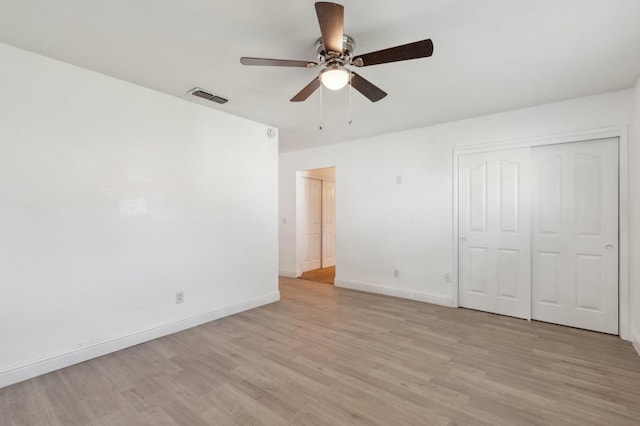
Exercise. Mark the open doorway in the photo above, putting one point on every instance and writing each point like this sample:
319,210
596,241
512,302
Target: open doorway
316,224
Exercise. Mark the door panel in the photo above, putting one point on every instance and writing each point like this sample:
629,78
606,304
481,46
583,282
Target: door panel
575,234
478,269
478,198
549,200
508,196
589,280
312,225
508,261
328,223
588,196
494,249
548,277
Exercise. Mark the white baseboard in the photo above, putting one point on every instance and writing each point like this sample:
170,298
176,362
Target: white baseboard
288,273
635,339
420,296
96,348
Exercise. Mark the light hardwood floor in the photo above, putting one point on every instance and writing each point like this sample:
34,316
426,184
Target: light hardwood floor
325,355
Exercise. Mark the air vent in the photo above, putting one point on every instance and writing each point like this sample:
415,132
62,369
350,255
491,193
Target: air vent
208,96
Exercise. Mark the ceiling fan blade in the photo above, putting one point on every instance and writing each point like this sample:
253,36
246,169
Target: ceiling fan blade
331,20
307,91
277,62
418,49
368,89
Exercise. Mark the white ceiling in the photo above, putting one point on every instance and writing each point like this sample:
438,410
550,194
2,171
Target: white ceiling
489,55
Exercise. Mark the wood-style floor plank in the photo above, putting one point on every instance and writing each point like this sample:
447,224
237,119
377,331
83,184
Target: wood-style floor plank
331,356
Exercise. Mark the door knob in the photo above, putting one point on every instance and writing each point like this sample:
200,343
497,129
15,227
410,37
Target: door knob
463,240
609,247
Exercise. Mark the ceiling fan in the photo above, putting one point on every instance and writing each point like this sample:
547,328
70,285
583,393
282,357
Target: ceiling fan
334,51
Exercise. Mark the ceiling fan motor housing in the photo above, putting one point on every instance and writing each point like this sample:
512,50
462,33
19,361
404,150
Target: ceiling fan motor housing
348,46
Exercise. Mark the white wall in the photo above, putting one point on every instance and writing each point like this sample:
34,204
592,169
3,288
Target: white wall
382,226
112,198
634,218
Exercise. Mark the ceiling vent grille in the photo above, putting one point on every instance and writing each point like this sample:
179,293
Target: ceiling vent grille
208,96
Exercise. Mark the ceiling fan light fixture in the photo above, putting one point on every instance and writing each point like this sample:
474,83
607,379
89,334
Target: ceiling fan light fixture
334,77
335,50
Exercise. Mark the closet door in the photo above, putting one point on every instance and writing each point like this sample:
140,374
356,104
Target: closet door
575,234
328,223
312,224
494,230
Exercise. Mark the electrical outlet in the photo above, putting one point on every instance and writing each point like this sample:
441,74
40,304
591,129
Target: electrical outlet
447,277
396,273
179,297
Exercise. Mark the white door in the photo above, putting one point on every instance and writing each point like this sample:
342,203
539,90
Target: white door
575,234
328,223
312,224
494,231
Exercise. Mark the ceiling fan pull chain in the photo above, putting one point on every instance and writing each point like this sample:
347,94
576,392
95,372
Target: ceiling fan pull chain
321,90
350,92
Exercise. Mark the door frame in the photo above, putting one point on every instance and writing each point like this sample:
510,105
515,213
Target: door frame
300,176
621,132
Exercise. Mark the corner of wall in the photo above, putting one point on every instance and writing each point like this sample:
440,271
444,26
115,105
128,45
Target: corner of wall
634,225
635,339
287,273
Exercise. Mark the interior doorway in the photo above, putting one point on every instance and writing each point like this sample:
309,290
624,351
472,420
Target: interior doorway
316,224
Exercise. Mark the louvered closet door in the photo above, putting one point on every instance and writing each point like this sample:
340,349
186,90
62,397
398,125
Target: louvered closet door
494,230
575,234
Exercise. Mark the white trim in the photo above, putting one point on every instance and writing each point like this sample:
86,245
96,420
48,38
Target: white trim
635,339
600,133
419,296
624,299
96,348
619,132
455,218
299,220
300,208
287,273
